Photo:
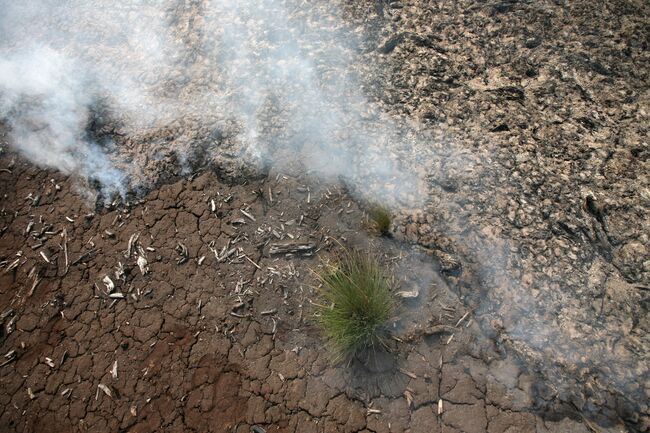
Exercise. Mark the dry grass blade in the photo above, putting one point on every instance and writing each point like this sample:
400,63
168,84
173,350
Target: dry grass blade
360,302
380,219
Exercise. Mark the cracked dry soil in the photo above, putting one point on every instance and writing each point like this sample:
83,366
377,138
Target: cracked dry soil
536,224
219,338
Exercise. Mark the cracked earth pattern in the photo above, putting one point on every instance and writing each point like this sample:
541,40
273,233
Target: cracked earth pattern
210,345
536,155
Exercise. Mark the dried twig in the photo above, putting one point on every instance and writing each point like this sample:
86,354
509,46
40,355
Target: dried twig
247,215
461,319
64,235
249,259
84,256
305,249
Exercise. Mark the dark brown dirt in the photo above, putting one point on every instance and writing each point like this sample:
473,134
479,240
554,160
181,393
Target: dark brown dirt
222,346
531,134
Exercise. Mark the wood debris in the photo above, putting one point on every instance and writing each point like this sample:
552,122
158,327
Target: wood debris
132,241
12,265
110,285
7,313
30,225
408,294
407,373
37,279
64,235
45,257
9,327
119,271
181,249
84,256
143,264
225,252
9,356
439,329
461,319
250,260
304,249
408,395
247,215
105,389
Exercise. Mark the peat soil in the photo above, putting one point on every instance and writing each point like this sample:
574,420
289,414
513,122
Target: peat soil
174,314
538,114
527,125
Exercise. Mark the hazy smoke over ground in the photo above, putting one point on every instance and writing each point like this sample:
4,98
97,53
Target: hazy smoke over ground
239,80
46,106
122,92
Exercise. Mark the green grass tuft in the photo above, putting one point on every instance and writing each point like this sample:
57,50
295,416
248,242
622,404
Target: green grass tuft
380,219
361,301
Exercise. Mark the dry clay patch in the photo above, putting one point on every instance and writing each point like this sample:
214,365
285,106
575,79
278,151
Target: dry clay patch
227,343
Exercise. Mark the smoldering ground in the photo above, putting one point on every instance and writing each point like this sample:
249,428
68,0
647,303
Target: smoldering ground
239,82
122,93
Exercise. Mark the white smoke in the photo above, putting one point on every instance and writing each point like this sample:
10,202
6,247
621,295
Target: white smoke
283,81
46,103
259,81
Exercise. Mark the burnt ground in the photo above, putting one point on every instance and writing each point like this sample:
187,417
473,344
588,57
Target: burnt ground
532,125
220,342
539,111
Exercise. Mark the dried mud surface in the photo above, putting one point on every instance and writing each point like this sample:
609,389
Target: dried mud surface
226,344
532,126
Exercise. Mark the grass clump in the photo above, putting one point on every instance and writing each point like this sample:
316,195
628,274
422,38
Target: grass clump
361,302
380,219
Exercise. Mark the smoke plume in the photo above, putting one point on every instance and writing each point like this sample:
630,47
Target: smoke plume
116,93
228,80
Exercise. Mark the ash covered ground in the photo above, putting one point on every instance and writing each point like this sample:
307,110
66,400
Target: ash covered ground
508,138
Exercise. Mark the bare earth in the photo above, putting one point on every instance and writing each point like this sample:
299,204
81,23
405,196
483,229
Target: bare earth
224,345
534,232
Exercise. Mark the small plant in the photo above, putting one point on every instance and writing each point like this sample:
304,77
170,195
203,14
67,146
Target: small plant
361,301
380,219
